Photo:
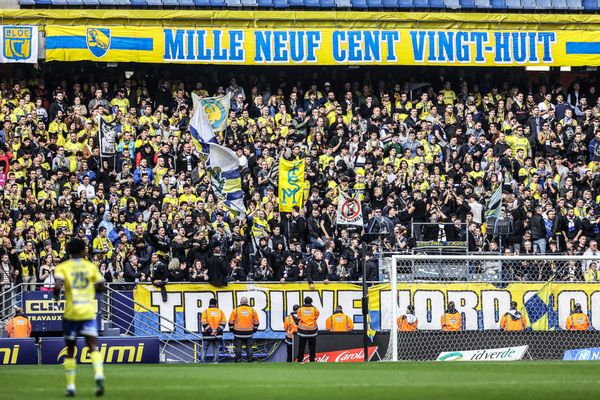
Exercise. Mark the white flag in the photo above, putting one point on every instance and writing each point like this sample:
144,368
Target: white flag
349,210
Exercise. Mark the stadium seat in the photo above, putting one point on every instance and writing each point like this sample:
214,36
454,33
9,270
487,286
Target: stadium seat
217,3
374,4
587,4
482,3
263,3
312,3
59,2
296,3
138,3
575,5
389,3
280,4
498,4
27,2
418,3
359,3
233,3
204,3
543,4
453,4
327,3
468,4
122,2
186,3
89,2
437,4
513,4
157,3
343,3
108,2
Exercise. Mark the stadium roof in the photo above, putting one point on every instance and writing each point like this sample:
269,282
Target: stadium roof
300,19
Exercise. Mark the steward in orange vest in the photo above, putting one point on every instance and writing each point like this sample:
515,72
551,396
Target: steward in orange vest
213,324
513,320
243,322
577,321
307,329
339,322
290,324
408,322
19,326
451,320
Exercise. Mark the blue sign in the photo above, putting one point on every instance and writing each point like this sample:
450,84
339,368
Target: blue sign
582,354
114,350
46,314
18,351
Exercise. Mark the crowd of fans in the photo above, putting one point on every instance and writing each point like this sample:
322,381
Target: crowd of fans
416,154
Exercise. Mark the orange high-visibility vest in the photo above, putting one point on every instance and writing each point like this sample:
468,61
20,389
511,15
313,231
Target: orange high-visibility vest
339,322
213,318
577,322
290,326
508,323
19,327
451,322
307,321
243,321
405,326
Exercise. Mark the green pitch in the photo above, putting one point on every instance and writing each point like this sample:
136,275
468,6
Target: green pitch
444,381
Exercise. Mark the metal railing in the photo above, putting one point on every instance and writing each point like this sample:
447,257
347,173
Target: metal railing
172,349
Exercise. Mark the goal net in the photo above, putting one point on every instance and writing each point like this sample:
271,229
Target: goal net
469,307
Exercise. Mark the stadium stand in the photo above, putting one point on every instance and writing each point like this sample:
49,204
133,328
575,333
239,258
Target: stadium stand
467,5
456,140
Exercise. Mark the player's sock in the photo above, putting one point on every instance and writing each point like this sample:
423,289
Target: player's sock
69,365
97,363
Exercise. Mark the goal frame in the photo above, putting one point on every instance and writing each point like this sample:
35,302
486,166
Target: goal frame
393,276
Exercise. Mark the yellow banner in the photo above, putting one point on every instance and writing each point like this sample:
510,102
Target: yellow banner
322,46
482,304
291,182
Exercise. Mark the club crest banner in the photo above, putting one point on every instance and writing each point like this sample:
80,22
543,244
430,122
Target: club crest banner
19,44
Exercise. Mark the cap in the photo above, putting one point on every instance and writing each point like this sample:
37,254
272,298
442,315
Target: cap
300,109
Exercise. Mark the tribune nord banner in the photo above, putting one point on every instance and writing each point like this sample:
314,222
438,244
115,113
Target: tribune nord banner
481,304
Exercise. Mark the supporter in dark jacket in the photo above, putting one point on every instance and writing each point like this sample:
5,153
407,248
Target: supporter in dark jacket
217,268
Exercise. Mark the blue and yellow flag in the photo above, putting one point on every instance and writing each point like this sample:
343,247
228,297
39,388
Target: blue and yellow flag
216,109
538,308
291,184
224,168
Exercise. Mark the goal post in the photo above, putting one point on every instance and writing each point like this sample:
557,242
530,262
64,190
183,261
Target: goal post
483,289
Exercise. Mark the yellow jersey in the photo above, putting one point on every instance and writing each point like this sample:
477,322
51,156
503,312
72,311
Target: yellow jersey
79,277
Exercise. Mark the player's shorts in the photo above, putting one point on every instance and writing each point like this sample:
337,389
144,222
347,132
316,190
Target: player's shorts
85,328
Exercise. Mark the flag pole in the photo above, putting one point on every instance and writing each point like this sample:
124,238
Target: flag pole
100,141
365,304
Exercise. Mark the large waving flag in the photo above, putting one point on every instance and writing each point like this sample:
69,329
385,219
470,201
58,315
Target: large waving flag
538,308
494,204
224,168
201,129
216,109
